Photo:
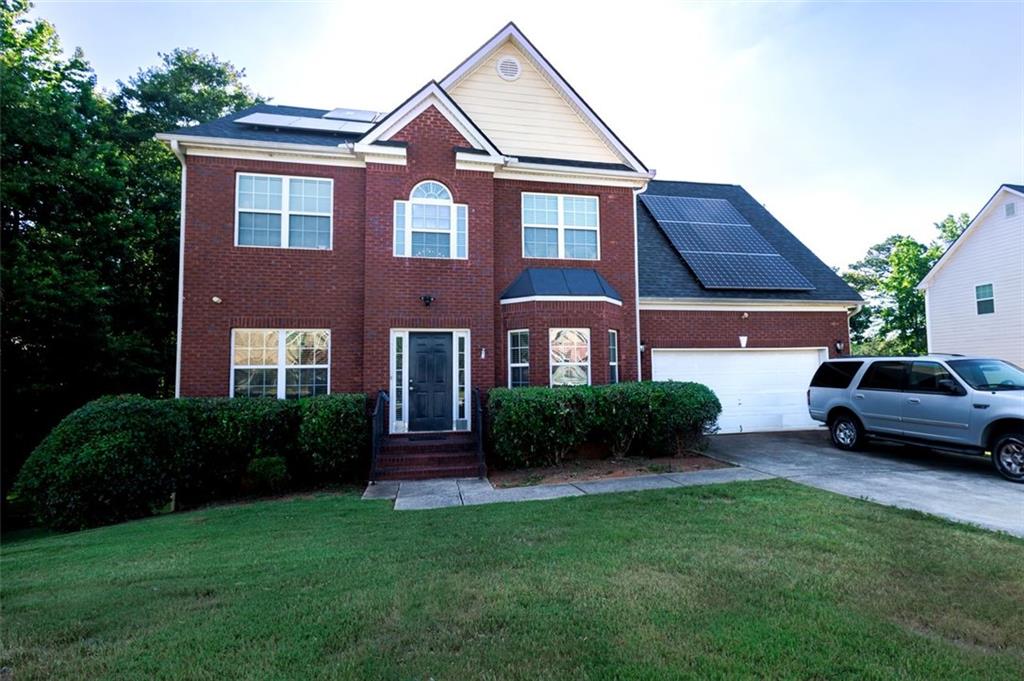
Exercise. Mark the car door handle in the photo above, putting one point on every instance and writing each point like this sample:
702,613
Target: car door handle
914,400
858,396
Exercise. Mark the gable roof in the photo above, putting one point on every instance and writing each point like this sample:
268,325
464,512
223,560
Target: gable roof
429,95
511,33
664,274
955,246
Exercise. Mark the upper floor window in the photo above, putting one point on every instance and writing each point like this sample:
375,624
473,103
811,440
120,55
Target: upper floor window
560,226
283,212
985,299
430,224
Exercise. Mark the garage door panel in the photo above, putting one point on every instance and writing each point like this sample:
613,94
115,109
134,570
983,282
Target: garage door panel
758,389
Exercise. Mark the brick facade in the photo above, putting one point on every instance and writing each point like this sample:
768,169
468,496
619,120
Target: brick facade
714,329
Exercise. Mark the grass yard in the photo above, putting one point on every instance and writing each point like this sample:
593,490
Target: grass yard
759,580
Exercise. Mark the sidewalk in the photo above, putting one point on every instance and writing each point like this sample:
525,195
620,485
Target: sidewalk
417,495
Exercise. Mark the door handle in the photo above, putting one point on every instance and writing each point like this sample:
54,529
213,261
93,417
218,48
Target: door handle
858,396
914,400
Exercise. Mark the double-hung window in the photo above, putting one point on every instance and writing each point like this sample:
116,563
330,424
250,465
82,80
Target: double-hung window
430,224
985,299
613,356
518,358
570,356
281,363
561,227
283,212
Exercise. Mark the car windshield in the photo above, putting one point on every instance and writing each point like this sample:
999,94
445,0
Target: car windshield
989,374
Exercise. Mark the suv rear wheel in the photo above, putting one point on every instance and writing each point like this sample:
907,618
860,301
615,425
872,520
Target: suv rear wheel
1008,456
847,433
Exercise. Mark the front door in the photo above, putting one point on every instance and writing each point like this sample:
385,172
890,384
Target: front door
430,381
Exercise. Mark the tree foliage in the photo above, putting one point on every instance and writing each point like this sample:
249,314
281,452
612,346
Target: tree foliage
89,223
893,320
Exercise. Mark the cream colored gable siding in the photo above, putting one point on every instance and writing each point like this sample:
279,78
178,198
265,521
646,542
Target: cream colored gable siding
527,116
992,254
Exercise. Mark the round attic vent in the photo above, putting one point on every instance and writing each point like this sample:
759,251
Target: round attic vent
509,68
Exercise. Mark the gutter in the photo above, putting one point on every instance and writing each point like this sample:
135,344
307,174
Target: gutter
176,150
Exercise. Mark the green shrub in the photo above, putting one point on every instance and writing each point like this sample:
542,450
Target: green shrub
541,426
267,474
123,457
335,433
113,459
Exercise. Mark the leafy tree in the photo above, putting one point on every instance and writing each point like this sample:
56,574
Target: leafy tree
89,223
893,319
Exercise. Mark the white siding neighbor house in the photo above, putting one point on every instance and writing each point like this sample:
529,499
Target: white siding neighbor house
974,296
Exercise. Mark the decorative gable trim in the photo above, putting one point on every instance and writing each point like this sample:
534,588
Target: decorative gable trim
431,95
971,228
512,33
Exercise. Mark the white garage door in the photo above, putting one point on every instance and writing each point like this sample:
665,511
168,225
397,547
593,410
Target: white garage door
758,389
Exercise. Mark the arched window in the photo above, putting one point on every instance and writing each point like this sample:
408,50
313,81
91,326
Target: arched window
429,224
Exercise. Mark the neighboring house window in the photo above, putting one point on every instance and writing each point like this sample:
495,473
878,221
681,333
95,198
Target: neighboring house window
283,212
560,227
279,363
518,358
570,356
984,298
613,356
429,224
1011,209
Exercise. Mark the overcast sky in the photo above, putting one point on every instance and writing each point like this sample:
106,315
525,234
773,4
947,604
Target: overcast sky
849,121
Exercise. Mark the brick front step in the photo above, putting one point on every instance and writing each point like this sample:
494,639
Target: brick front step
427,472
389,459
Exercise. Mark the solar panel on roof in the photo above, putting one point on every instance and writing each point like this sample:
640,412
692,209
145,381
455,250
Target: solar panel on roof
353,115
720,246
303,123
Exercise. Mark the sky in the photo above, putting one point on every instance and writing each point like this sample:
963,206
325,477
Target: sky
849,121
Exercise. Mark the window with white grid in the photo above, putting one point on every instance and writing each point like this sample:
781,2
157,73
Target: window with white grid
282,363
518,358
560,227
430,224
278,211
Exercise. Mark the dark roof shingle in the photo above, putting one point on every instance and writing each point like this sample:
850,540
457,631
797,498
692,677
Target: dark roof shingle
558,281
227,128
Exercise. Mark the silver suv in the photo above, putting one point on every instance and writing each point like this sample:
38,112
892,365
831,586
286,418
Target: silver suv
967,405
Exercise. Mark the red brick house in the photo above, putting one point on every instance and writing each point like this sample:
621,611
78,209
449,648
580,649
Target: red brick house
489,231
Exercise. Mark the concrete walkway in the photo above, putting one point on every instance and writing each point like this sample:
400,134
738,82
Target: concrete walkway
423,494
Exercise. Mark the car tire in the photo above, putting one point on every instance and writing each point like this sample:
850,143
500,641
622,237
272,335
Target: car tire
1008,456
847,432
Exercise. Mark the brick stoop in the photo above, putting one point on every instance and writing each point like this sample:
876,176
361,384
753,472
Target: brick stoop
421,457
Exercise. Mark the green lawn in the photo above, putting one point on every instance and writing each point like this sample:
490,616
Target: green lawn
759,579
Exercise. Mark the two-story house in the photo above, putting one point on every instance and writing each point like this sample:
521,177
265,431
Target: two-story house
483,233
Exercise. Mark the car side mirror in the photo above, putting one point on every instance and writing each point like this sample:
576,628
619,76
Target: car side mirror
950,387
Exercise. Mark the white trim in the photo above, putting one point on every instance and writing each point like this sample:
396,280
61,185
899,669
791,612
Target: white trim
927,322
430,95
275,156
978,300
282,366
511,32
343,149
542,172
617,363
560,227
819,348
563,299
508,355
684,305
285,211
176,150
955,246
552,331
402,426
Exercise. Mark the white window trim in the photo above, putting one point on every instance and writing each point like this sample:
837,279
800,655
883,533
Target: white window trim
281,366
560,227
979,300
590,354
284,212
402,426
508,354
615,364
452,231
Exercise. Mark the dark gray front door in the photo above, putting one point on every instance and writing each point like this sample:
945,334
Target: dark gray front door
430,381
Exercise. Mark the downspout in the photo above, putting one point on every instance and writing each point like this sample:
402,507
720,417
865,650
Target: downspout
636,284
176,150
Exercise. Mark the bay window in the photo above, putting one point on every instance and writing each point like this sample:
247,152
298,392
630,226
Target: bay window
570,356
613,356
518,358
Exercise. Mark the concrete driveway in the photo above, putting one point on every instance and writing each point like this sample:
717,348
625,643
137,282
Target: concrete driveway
960,488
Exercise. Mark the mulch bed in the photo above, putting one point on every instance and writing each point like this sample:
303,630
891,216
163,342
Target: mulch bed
582,470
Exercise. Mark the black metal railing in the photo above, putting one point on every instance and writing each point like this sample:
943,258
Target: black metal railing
379,428
478,431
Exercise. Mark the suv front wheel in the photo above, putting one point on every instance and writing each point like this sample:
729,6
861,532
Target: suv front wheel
1008,456
847,433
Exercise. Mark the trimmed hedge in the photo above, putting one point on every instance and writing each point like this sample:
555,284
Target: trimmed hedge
541,426
119,458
